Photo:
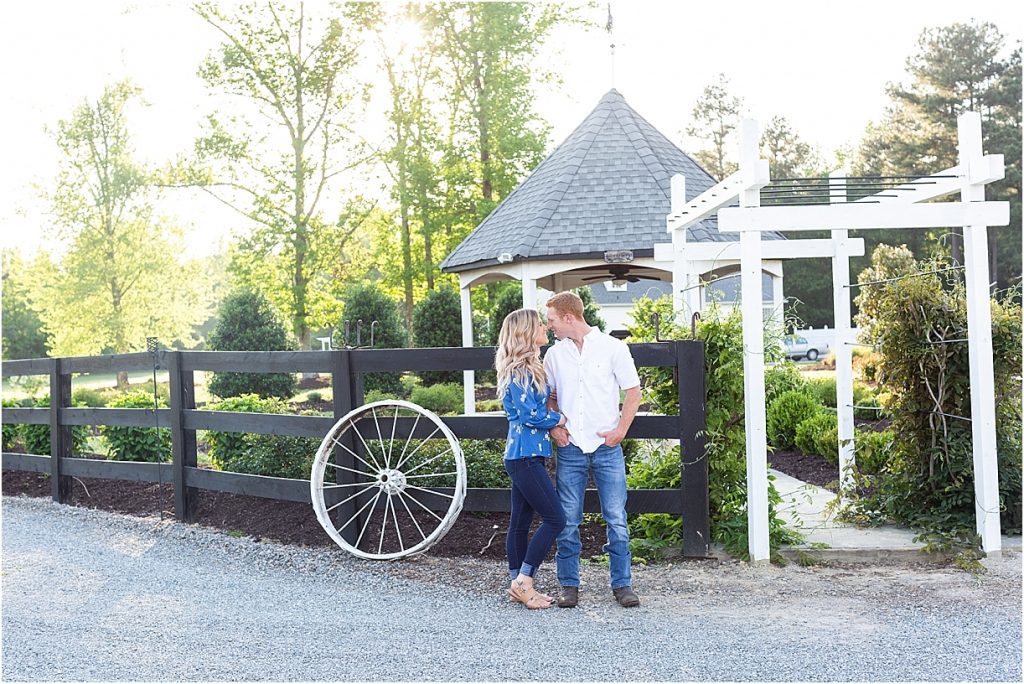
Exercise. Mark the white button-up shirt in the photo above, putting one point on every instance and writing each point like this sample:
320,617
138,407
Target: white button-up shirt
588,382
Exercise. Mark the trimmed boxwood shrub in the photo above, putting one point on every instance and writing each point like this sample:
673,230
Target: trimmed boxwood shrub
786,413
782,377
819,435
136,443
824,390
37,437
368,303
248,322
441,399
437,322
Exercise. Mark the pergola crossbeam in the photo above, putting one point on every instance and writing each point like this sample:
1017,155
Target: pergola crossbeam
862,217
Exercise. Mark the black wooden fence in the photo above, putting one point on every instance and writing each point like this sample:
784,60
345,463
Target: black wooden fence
347,368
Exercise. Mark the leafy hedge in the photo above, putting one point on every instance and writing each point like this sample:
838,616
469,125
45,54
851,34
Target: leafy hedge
722,334
152,445
786,413
928,481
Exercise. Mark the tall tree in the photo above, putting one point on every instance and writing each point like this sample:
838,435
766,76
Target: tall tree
121,279
295,73
788,155
23,334
714,117
956,68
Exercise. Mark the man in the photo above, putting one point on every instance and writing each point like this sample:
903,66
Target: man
586,369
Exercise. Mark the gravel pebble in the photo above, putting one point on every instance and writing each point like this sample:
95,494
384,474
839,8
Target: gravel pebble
91,595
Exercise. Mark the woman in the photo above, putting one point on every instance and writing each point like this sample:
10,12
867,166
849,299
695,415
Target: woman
524,392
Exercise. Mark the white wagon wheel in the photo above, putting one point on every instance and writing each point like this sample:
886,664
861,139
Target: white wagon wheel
391,482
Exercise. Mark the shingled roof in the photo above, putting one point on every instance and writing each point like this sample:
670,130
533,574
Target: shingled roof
607,187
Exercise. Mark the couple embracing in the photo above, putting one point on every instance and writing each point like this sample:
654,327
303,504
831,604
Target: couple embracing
571,399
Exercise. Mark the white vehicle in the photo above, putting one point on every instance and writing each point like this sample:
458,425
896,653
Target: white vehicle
798,348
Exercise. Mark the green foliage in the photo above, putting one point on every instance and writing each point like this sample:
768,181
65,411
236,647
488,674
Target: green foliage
785,414
122,278
314,397
824,392
276,456
367,303
379,395
928,483
248,322
714,117
819,435
445,400
227,449
87,396
873,450
722,335
11,432
508,299
152,445
23,334
37,437
437,322
485,463
780,378
275,157
591,310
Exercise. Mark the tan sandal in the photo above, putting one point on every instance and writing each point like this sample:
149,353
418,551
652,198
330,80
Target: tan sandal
528,596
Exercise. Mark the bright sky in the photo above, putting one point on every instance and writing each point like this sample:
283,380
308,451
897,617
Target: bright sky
823,69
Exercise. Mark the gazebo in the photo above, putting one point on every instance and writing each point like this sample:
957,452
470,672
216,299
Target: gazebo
593,211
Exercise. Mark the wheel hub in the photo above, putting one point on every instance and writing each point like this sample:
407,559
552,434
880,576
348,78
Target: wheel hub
391,481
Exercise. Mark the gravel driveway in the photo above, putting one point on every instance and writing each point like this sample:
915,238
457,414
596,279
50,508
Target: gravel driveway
89,595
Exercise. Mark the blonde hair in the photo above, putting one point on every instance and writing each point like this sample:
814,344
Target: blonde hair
567,303
517,357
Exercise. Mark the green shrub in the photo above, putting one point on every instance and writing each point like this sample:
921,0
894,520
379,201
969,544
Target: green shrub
655,465
87,396
136,443
819,435
368,303
489,405
872,450
786,413
11,432
823,390
37,437
441,399
314,397
227,448
780,378
248,322
722,334
508,299
275,456
437,322
927,482
378,395
485,463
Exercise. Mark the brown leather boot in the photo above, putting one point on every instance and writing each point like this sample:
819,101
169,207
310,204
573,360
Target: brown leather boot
626,597
569,598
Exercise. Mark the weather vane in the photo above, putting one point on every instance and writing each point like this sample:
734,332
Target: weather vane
611,37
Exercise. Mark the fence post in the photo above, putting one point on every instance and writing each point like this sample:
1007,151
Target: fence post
183,442
693,448
341,385
60,435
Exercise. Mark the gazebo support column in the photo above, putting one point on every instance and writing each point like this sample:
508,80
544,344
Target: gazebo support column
843,340
468,377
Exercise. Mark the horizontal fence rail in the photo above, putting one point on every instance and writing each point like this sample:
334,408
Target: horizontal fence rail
347,367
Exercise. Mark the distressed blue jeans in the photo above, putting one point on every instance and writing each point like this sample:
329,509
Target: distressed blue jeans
609,470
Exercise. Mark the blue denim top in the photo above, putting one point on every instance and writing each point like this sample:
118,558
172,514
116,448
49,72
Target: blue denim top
528,420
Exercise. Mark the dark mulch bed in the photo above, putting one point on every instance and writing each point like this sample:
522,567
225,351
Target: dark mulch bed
809,468
282,521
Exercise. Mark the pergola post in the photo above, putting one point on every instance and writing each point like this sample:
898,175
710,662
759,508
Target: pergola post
979,327
754,178
468,376
843,339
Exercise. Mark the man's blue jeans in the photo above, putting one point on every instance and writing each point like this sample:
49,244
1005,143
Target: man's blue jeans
609,470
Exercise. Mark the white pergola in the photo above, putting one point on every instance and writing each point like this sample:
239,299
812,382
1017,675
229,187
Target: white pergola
899,207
